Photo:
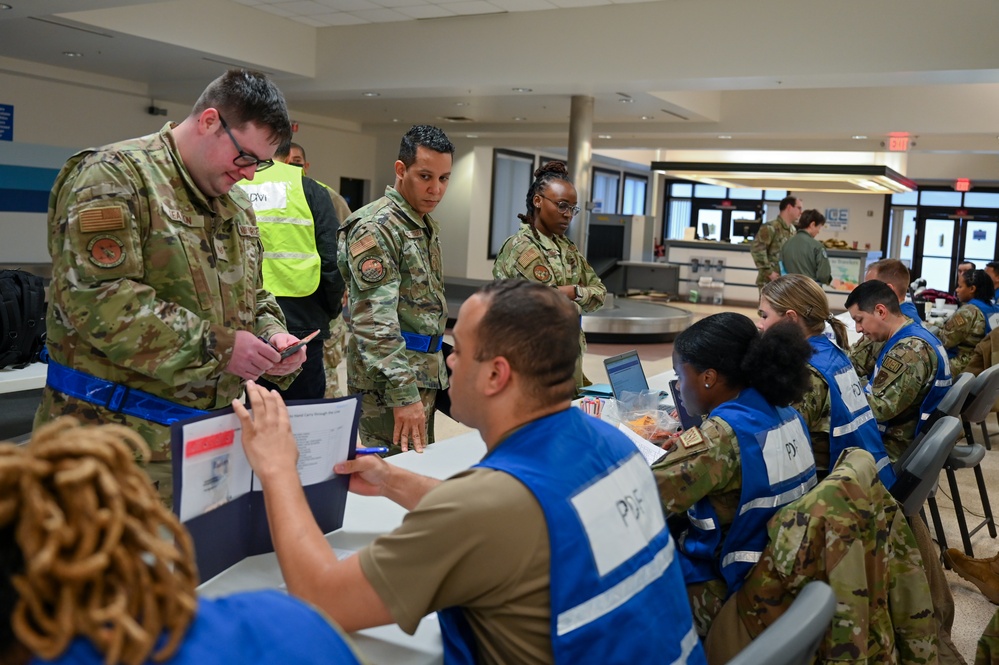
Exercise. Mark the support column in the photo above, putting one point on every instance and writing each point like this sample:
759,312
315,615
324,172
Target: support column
580,161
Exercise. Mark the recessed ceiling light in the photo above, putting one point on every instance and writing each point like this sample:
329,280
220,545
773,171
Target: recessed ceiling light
604,136
461,103
626,100
648,117
522,89
4,6
724,136
519,118
72,54
395,119
471,136
372,94
858,137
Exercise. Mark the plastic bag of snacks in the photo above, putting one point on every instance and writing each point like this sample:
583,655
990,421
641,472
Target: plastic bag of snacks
640,412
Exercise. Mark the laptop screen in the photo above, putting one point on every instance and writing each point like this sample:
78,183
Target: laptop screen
625,373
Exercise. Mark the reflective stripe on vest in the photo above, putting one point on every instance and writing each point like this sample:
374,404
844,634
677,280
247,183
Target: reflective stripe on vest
291,264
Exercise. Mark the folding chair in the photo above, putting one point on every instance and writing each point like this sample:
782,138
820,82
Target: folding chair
982,396
918,470
795,637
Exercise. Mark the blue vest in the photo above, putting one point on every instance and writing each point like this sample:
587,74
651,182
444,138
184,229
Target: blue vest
941,381
909,309
243,629
989,311
851,421
777,468
617,594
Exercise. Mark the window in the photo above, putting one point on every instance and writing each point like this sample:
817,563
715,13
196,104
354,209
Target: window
700,206
634,195
512,177
605,185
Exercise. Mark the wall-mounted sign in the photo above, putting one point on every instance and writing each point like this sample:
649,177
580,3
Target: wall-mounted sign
837,218
6,122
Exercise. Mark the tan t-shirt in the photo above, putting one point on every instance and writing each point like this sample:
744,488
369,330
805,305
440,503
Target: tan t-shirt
479,541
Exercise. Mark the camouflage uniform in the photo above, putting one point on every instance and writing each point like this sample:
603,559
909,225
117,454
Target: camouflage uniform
961,333
864,356
815,408
553,261
766,248
849,532
151,281
711,468
333,347
390,257
988,645
907,372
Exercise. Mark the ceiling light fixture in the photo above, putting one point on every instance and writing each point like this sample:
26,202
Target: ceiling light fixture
4,7
72,54
725,136
461,103
858,137
372,94
604,136
471,136
626,100
522,89
519,118
847,179
648,117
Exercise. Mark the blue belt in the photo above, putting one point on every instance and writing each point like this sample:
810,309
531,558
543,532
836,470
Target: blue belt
116,397
423,343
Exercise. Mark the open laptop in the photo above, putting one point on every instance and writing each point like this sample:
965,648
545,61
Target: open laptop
625,373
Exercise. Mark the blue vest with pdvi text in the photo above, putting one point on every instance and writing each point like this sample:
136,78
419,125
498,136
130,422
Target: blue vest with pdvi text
617,594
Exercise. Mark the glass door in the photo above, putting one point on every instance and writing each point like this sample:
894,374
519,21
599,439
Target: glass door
937,263
946,239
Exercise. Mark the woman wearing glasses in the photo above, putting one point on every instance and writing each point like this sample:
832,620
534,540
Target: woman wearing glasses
541,252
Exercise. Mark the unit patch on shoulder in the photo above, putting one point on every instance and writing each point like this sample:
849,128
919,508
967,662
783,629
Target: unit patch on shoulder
542,273
107,218
362,245
529,257
371,270
106,251
691,437
893,365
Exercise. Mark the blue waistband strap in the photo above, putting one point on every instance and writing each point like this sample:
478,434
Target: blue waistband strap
116,397
423,343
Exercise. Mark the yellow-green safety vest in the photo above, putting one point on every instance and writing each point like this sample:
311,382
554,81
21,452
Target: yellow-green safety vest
291,263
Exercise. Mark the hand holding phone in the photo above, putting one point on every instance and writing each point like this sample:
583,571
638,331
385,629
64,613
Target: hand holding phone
293,348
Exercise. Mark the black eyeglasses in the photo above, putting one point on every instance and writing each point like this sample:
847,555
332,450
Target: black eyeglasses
563,206
244,159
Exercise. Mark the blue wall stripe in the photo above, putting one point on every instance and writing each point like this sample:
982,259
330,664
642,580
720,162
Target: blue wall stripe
27,177
23,200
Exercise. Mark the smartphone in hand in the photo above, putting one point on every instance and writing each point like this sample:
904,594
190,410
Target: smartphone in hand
292,348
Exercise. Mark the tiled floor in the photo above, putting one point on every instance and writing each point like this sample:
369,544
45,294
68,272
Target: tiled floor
973,610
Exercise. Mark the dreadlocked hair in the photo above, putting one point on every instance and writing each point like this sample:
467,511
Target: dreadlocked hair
102,558
543,176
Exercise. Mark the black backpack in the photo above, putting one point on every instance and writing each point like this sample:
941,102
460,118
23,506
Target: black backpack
22,318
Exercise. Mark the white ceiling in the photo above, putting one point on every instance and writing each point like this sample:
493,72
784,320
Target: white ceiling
772,75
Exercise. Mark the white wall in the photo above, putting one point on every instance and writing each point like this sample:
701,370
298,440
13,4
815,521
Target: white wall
866,213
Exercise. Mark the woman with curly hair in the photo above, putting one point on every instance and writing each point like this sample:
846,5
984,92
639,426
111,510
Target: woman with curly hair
750,456
96,570
541,252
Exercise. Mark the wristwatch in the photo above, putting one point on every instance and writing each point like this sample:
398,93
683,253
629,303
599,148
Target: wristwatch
579,296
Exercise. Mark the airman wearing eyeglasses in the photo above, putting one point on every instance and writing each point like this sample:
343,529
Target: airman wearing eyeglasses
541,252
156,308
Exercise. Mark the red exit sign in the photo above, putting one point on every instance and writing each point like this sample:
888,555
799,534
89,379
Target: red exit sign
898,143
962,185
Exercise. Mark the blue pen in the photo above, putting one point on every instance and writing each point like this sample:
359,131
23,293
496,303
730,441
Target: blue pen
377,450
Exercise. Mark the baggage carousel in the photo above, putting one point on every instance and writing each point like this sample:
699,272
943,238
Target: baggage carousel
622,320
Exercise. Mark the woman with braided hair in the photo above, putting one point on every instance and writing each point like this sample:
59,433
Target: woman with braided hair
834,406
541,252
96,570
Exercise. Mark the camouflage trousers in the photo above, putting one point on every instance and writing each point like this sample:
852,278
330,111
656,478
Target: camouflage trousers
728,635
706,600
378,419
333,349
988,644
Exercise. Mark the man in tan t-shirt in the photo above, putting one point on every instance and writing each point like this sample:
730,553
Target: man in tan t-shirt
477,544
